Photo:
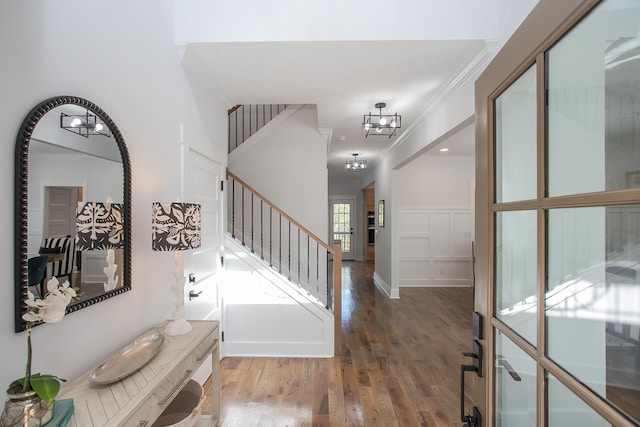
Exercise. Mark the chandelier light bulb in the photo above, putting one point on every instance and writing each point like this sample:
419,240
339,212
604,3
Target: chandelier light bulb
98,127
383,121
75,122
378,129
367,126
393,124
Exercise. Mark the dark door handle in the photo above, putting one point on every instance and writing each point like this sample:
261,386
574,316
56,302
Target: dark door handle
503,362
469,420
194,294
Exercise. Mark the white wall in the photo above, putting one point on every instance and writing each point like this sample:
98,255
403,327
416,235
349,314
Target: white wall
451,114
121,56
436,182
434,222
296,166
259,305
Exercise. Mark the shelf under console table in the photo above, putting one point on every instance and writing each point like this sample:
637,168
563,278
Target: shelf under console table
139,399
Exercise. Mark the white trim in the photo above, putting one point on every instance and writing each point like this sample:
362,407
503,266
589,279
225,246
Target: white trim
275,349
384,288
419,264
467,76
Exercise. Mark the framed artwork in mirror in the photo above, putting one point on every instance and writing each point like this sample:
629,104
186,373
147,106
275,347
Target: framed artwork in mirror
380,213
68,152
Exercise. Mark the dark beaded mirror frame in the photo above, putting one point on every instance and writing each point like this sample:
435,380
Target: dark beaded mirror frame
21,203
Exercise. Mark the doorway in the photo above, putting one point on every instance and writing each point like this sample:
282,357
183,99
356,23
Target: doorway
60,210
370,223
59,219
342,214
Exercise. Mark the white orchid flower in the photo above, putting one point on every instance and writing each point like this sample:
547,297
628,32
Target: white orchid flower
51,309
64,291
31,299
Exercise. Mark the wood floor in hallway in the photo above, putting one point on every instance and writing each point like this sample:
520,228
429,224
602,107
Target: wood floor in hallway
400,365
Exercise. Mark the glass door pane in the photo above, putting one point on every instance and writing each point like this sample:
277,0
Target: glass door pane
515,138
567,409
593,111
515,379
593,299
516,272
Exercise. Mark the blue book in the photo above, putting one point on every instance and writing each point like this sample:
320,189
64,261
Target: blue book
62,412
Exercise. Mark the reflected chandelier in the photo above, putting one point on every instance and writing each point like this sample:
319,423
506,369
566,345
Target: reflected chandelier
84,124
381,124
355,164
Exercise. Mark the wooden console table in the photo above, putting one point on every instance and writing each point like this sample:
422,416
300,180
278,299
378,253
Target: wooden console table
139,399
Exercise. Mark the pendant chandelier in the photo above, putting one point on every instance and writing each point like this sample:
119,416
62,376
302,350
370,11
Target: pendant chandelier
84,124
381,124
355,164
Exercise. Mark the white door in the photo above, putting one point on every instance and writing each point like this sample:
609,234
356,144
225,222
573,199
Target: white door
203,177
60,211
342,213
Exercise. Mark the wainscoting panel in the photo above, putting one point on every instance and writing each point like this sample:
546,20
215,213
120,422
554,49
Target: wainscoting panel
434,247
411,245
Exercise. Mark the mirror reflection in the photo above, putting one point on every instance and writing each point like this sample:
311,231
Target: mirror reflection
78,184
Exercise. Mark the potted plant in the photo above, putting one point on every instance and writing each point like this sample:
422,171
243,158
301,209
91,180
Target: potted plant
30,398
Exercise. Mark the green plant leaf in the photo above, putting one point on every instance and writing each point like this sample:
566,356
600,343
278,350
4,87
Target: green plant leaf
16,386
46,386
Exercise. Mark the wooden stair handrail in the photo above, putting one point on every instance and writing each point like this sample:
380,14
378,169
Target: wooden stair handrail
281,212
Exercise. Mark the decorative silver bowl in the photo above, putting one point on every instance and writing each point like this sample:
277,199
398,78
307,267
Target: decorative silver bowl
129,359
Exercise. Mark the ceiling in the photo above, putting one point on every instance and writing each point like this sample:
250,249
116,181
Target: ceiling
345,80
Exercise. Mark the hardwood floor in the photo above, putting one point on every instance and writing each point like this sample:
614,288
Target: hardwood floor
400,365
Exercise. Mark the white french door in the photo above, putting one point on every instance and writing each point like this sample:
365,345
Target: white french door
342,214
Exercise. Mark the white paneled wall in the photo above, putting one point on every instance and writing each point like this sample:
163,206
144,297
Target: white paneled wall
434,247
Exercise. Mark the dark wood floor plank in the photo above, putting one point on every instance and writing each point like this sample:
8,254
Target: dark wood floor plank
400,365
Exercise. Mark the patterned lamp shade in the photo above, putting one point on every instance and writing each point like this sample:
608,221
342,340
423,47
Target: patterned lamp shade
99,226
176,226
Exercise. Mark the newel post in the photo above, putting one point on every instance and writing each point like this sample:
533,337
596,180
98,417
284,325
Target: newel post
337,297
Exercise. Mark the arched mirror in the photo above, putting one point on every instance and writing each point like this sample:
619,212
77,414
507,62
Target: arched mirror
69,153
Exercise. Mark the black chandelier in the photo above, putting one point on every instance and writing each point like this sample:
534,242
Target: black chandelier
84,124
355,164
381,124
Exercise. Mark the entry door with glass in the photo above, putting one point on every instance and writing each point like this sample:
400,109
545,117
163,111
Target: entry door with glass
563,166
342,214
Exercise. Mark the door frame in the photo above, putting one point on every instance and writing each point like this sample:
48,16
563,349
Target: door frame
355,236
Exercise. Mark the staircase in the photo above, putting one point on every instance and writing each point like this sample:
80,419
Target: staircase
246,120
287,280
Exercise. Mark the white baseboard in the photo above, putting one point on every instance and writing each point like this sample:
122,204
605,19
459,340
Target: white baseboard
278,349
384,288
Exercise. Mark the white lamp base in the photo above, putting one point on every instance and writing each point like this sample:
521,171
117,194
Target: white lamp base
178,327
110,271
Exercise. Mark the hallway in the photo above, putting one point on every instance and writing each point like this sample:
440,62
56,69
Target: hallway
400,365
